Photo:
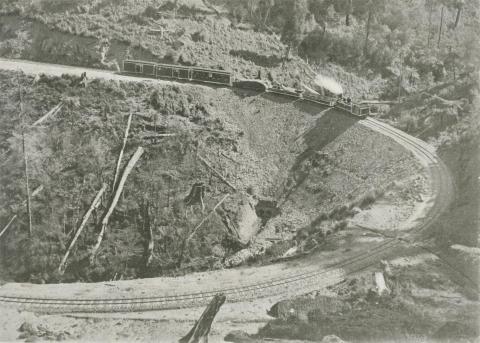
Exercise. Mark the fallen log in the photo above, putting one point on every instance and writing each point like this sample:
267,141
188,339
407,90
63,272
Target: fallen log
34,193
27,187
8,224
113,202
201,329
147,227
53,111
206,217
453,103
120,155
94,205
217,174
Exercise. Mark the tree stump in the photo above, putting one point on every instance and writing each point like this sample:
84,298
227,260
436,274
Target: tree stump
201,329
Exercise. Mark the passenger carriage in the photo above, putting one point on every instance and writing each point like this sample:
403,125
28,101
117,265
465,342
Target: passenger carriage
325,91
158,70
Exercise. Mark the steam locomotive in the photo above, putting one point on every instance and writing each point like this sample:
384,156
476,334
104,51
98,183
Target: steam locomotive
225,78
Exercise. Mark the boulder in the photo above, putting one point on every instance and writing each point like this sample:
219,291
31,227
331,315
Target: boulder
307,309
240,257
239,216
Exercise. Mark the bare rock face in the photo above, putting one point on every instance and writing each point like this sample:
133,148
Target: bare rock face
239,216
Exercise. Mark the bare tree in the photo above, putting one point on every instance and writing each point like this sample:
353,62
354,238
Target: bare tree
148,231
120,155
93,206
114,200
348,11
27,187
440,28
15,216
459,6
429,5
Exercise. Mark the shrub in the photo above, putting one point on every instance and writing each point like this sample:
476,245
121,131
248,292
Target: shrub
408,122
199,36
341,225
151,12
171,56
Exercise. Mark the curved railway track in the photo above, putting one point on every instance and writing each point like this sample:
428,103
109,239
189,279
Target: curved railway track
306,279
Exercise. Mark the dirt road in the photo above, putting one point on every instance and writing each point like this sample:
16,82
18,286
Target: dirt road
282,280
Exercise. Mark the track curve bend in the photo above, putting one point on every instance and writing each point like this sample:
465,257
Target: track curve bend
286,279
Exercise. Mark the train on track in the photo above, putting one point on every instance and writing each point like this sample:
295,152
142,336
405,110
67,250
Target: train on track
225,78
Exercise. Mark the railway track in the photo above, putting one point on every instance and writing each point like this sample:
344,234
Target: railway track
304,280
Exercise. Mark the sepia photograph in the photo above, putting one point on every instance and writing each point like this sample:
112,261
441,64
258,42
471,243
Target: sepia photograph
243,171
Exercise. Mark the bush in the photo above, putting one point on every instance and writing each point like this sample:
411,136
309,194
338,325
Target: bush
407,122
199,36
171,56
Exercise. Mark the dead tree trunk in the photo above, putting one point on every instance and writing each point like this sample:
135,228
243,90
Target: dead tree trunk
185,241
8,224
217,174
15,216
430,10
147,227
94,205
457,17
120,156
207,216
113,202
440,28
27,188
53,111
367,34
201,329
348,12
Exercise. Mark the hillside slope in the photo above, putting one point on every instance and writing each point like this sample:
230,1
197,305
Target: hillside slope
252,140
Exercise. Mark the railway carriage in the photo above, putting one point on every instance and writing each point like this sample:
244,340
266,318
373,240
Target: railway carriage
158,70
252,84
211,76
330,93
135,67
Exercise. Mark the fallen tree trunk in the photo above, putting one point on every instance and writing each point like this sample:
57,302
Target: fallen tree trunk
217,174
27,187
8,224
53,111
94,205
201,329
206,217
34,193
120,156
147,227
113,202
185,241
